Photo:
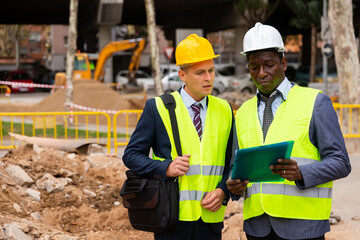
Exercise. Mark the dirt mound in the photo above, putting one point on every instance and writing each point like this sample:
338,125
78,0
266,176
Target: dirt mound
90,94
88,206
88,203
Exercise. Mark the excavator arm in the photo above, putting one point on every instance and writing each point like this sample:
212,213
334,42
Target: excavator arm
109,49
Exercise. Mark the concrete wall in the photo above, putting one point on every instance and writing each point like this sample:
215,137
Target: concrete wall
58,34
59,47
58,62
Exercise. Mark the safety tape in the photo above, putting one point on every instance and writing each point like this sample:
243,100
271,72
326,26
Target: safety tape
36,85
72,105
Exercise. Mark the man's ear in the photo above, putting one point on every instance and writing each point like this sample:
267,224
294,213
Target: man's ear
284,63
182,74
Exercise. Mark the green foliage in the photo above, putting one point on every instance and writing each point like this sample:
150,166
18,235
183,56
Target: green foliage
306,12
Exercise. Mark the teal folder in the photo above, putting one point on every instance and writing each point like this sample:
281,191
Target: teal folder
253,163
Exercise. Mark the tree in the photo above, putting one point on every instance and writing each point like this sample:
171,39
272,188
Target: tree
154,49
307,15
346,56
254,11
70,56
347,64
14,34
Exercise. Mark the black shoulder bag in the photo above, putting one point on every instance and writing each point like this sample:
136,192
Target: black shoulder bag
153,204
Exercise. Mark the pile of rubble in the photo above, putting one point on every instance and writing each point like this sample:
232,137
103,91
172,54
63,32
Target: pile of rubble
49,194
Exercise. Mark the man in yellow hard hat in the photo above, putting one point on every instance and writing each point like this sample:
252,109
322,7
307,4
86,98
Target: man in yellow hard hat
205,126
300,206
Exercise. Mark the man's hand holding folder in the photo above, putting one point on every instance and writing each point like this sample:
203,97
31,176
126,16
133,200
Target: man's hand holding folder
288,169
237,186
265,163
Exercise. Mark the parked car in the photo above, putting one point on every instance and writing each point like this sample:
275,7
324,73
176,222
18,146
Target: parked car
225,69
20,76
167,68
172,82
243,83
142,78
36,71
302,75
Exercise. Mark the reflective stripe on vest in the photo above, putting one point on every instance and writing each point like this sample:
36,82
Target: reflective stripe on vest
303,161
291,122
207,159
289,190
206,170
191,195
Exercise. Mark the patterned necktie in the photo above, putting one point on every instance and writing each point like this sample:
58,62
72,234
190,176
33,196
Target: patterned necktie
268,115
197,120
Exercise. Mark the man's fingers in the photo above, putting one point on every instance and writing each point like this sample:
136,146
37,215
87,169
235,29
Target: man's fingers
210,202
233,182
208,198
236,186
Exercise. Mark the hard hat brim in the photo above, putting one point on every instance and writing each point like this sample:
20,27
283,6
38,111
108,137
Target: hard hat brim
196,60
262,50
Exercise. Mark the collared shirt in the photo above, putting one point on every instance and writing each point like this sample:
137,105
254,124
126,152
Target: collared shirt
188,101
283,89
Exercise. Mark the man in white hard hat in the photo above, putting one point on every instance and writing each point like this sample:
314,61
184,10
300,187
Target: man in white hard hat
299,207
205,127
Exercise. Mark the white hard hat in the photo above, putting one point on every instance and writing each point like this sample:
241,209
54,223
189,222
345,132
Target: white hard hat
262,37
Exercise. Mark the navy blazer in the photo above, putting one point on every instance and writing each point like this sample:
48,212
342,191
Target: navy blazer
150,133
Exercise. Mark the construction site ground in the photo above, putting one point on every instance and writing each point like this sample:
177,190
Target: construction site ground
88,204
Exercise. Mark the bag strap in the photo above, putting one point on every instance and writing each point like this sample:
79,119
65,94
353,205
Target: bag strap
170,104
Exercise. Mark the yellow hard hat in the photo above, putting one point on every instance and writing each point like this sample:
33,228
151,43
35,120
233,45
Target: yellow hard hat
194,49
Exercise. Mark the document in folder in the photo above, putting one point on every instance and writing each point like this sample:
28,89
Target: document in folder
253,163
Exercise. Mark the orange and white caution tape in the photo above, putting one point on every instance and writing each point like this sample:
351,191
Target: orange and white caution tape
72,105
71,116
35,85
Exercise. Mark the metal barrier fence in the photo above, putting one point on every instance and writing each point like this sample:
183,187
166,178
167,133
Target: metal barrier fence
350,127
338,108
5,92
124,123
85,125
125,114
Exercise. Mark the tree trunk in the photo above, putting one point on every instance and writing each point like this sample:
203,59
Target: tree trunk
346,56
348,68
313,53
17,53
154,49
70,57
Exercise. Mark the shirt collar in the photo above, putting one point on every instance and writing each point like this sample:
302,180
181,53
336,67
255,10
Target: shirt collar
188,100
283,89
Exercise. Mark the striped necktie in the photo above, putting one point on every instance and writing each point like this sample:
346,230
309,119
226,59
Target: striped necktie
268,115
197,120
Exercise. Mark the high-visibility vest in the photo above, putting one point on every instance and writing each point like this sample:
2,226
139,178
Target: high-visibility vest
207,159
291,122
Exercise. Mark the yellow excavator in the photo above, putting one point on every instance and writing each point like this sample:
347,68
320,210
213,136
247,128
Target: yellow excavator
84,63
